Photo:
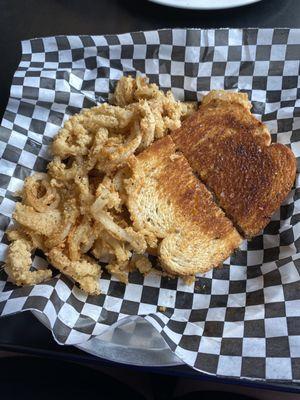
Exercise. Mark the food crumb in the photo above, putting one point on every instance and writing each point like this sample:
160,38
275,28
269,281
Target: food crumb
189,280
162,308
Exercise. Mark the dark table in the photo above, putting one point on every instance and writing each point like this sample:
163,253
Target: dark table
33,18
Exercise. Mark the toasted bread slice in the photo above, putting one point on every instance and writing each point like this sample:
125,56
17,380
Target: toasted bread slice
230,151
168,202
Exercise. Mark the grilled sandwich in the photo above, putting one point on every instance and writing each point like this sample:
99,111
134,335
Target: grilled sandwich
232,154
176,212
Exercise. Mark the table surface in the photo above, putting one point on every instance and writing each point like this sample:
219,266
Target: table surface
35,18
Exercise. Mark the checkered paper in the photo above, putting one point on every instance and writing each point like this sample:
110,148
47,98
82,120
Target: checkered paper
242,320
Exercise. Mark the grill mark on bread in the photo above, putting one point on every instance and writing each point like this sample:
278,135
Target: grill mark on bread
193,197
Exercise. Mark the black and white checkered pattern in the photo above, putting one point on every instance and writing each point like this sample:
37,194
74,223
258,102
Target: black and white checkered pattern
242,320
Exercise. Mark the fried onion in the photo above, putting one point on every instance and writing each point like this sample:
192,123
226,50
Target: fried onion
18,263
79,205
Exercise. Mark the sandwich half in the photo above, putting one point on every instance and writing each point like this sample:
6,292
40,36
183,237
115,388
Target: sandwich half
176,212
231,152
